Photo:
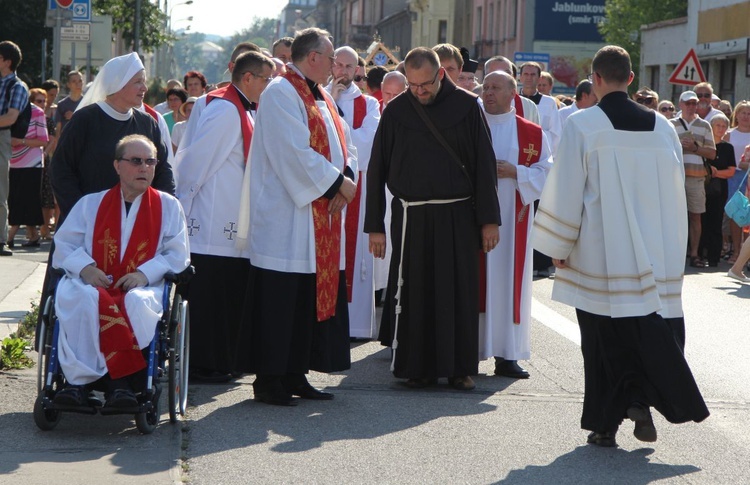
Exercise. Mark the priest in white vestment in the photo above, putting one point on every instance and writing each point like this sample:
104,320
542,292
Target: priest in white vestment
301,175
613,216
501,334
77,297
362,114
209,182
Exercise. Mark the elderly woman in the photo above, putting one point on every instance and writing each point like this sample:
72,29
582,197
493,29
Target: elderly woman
26,161
82,163
722,168
666,108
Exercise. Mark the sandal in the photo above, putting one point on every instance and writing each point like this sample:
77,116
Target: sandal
697,262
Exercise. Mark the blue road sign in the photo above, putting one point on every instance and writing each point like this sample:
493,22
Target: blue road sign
81,9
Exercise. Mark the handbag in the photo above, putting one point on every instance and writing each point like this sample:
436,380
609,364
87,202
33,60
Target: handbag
738,207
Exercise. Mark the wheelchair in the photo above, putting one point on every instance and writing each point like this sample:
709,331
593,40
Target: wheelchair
168,360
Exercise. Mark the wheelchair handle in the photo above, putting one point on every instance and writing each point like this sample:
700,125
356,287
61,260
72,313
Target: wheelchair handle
182,277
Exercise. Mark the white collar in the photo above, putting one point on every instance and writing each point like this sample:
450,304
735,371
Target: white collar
501,118
113,113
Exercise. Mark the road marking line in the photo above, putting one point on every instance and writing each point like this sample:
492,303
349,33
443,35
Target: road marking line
553,320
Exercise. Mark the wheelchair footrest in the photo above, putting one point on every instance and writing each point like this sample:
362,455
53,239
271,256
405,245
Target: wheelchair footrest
50,406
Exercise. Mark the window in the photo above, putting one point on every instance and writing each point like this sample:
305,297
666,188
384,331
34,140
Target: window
442,36
653,77
354,13
727,74
512,18
478,25
490,34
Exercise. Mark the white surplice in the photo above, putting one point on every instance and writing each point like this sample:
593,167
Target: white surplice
549,119
362,322
285,175
498,335
77,304
614,209
209,180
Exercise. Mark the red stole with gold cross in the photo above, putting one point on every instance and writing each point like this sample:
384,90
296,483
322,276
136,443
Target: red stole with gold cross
116,338
229,93
327,227
351,224
529,150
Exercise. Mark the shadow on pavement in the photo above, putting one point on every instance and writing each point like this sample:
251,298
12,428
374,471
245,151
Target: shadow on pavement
591,464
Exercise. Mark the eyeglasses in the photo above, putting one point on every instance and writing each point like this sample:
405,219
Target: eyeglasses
703,95
138,161
644,100
264,78
664,109
359,79
590,77
423,85
331,58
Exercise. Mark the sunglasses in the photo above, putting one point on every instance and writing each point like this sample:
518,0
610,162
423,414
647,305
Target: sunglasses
359,79
138,161
666,108
703,95
644,100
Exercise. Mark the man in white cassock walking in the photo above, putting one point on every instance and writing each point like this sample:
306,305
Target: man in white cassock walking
523,160
115,247
362,114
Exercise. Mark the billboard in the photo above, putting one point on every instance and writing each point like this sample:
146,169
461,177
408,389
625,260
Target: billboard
575,21
569,62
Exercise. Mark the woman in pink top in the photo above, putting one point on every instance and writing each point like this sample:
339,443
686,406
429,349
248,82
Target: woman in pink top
26,161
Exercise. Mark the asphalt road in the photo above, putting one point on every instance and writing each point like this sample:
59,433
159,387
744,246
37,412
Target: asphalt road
377,431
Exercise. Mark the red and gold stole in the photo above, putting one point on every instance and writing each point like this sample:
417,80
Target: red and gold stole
351,224
229,93
529,150
327,227
116,337
518,105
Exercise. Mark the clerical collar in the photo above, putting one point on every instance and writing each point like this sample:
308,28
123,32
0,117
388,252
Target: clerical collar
113,113
246,103
310,83
501,118
536,97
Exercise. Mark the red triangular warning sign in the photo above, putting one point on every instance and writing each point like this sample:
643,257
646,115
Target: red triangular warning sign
688,71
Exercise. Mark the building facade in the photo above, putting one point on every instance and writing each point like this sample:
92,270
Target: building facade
718,31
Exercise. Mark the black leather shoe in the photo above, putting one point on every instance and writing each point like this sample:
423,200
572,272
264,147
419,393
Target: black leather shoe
605,439
644,424
509,368
121,399
273,393
71,396
306,391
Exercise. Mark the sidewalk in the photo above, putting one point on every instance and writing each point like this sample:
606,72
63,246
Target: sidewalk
20,283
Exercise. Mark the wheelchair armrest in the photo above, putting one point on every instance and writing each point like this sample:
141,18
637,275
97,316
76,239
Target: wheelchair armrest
59,272
182,277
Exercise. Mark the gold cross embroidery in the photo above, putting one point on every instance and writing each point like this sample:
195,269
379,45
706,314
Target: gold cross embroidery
114,308
110,249
522,214
530,152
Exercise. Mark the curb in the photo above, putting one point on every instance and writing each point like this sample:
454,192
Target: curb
18,302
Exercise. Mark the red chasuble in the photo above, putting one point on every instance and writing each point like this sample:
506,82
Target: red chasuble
519,106
327,227
229,93
529,150
116,338
352,209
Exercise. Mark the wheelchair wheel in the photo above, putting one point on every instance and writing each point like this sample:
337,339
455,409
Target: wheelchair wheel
44,338
147,422
179,358
45,419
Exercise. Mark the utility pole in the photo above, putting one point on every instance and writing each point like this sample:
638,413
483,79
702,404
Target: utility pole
137,28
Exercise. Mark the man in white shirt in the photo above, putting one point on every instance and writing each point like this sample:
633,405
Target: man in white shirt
585,98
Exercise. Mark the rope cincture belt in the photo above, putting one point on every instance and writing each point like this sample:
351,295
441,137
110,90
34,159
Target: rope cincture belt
400,282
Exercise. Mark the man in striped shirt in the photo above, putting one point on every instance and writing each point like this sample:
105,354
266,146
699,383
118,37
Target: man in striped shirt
697,142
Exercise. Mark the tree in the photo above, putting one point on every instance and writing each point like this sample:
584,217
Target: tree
260,32
22,22
624,20
152,33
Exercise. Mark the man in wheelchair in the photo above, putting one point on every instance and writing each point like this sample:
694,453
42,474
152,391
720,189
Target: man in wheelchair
115,248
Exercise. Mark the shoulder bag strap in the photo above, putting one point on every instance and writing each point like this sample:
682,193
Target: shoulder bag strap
427,121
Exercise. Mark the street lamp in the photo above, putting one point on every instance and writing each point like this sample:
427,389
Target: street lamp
167,64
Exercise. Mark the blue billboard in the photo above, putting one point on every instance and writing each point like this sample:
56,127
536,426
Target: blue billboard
568,21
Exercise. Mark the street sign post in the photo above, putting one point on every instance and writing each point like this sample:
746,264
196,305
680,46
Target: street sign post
688,72
78,32
521,57
81,8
